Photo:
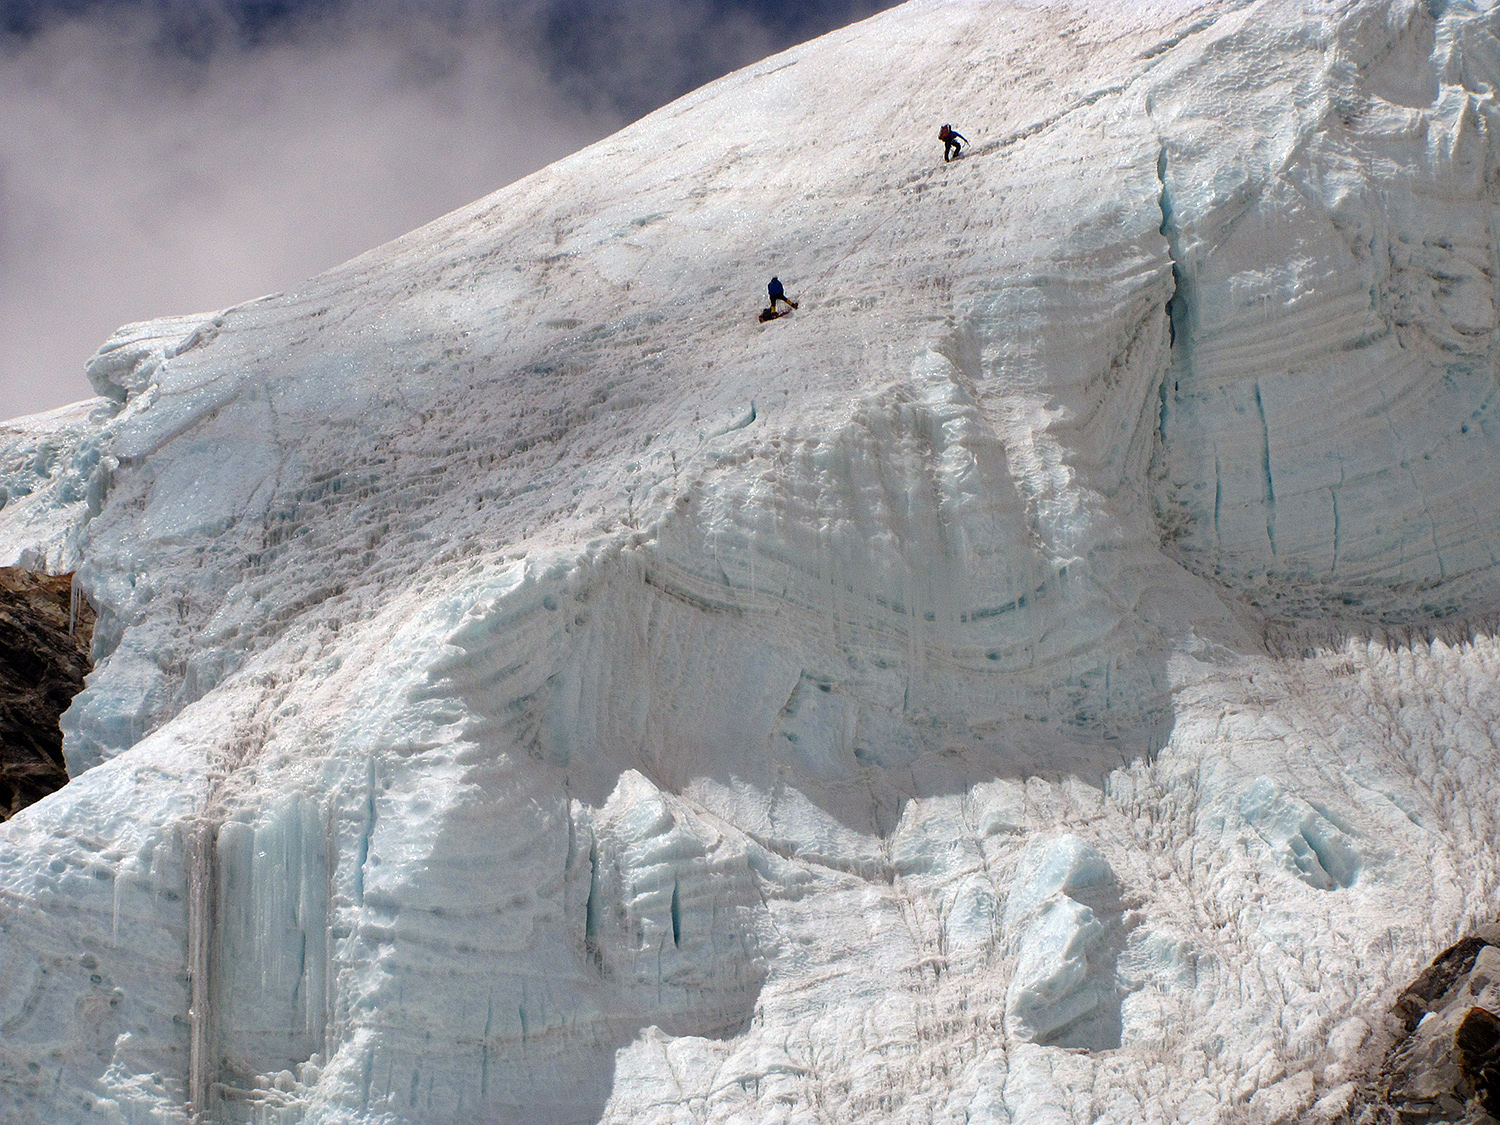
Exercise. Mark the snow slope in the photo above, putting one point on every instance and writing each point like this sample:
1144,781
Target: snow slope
1047,678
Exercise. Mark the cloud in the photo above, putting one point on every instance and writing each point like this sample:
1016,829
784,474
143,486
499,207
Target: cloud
133,186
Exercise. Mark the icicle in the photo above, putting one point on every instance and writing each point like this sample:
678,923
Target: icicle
199,848
114,926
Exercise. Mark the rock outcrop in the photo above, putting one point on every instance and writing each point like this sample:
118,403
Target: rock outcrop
1444,1066
45,632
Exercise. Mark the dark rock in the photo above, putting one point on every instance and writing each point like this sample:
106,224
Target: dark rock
45,633
1442,1062
1478,1044
1436,981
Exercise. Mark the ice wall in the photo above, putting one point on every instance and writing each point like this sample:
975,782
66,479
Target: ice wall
529,689
1330,399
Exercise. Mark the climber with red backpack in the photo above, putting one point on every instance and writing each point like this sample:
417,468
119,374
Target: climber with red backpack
951,145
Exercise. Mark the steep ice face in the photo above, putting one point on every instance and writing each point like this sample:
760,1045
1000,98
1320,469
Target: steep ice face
52,480
1335,319
529,689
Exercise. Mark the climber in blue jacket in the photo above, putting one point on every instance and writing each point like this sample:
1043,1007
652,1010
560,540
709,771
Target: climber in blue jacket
778,293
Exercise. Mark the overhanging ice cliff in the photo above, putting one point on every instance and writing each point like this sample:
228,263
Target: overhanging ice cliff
1047,678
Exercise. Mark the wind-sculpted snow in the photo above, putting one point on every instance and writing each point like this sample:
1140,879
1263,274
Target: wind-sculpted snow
1047,677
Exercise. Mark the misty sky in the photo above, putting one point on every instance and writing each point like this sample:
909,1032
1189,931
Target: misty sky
176,156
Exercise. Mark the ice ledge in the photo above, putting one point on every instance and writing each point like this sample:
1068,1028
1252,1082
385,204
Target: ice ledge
129,360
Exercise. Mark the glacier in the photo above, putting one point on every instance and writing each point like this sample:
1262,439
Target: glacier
1050,677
